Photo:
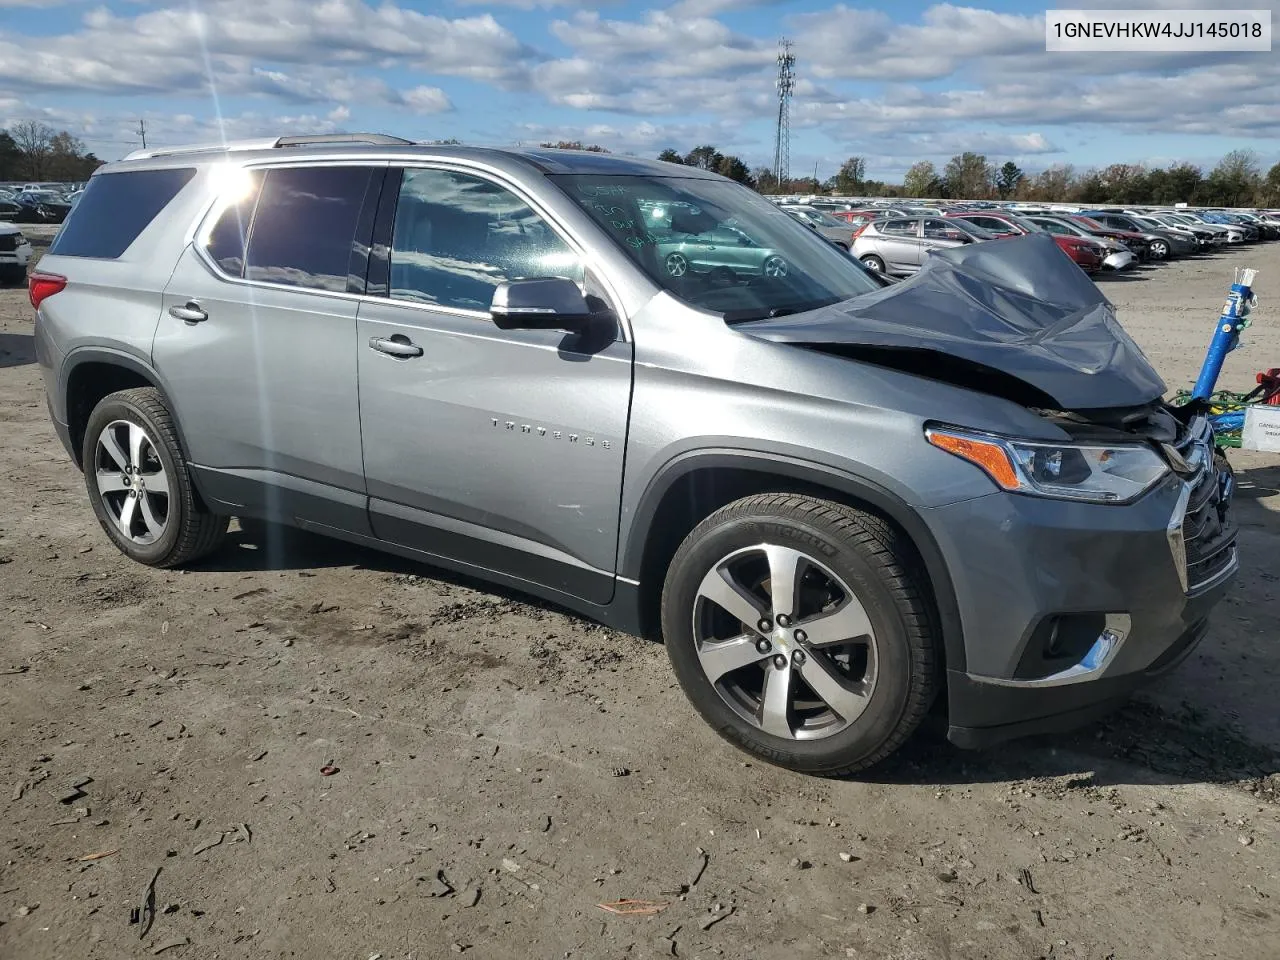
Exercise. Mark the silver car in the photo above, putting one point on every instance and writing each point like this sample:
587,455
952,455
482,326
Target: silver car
834,498
837,231
898,245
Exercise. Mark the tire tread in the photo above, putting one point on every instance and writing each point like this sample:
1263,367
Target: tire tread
200,532
886,549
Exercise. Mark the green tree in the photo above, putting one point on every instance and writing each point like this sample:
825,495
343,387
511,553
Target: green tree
1179,184
1235,180
11,158
765,180
1270,192
921,180
35,140
733,168
1007,179
967,177
705,157
670,156
849,179
1053,184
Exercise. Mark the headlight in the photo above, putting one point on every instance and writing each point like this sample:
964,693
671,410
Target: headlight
1064,471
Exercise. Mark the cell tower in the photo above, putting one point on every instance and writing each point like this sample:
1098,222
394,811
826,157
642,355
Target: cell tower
786,85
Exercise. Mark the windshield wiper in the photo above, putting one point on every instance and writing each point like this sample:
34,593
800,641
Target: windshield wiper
770,313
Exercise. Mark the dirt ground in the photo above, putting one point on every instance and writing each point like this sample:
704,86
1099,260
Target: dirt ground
503,768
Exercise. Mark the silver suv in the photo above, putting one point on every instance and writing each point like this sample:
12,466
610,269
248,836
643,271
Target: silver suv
833,496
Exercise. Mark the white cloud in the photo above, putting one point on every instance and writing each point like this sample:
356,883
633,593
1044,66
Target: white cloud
426,100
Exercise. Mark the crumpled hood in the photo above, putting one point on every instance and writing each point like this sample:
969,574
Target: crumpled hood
1019,306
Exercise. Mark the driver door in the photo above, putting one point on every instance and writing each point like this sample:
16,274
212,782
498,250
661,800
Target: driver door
498,450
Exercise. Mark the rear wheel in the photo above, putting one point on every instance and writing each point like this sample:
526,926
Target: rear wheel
138,482
800,633
873,263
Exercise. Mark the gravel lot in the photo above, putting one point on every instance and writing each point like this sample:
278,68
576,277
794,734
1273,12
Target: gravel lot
503,768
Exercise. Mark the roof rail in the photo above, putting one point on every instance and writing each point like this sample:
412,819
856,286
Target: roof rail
381,139
270,143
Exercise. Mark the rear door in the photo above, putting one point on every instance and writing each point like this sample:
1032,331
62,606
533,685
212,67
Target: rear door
494,449
938,234
262,370
900,244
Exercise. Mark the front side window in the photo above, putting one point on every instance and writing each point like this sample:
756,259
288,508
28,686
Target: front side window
457,236
717,245
304,233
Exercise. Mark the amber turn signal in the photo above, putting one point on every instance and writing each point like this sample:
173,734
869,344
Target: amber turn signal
989,455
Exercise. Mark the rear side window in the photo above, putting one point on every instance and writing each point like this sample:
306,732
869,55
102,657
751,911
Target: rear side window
304,233
229,235
115,208
899,228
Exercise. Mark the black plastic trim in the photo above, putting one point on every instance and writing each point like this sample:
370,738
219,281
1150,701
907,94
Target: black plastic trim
805,471
378,282
488,549
281,497
108,355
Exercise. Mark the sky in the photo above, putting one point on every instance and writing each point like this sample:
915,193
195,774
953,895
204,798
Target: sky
894,81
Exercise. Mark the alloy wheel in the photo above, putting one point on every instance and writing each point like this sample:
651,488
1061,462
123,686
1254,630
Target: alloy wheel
132,481
785,642
775,267
677,265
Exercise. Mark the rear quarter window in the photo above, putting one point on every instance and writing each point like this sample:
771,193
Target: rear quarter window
115,208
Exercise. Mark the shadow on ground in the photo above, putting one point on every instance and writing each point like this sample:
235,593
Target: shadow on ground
1140,742
17,349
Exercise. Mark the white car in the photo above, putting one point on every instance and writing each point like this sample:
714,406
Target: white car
15,254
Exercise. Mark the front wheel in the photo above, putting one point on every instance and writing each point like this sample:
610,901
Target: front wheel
801,633
138,482
1159,250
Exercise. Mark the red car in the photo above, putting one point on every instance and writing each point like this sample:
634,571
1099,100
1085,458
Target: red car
1088,256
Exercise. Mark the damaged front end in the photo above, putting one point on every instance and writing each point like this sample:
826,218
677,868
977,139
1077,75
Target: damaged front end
1016,319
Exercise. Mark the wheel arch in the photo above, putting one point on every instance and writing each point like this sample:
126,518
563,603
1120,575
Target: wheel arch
91,373
694,485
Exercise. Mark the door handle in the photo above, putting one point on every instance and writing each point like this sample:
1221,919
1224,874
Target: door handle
189,313
396,346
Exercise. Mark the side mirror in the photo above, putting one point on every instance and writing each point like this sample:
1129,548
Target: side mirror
542,303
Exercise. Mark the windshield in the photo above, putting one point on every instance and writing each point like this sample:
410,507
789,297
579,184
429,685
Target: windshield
718,245
822,219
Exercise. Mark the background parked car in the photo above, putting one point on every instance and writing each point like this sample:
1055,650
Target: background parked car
1117,257
837,231
1164,243
15,253
898,245
1235,233
1087,254
41,206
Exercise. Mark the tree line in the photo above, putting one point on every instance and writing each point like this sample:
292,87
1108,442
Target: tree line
30,150
1236,181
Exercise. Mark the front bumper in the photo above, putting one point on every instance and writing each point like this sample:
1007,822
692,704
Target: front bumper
1131,586
1120,260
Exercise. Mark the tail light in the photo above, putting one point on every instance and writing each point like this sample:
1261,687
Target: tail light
857,233
41,286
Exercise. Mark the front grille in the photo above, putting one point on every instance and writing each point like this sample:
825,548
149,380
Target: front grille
8,242
1208,528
